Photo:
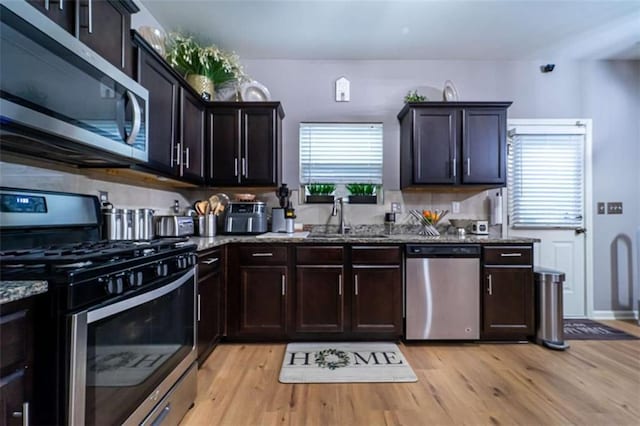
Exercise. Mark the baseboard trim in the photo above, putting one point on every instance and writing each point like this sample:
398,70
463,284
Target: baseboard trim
615,315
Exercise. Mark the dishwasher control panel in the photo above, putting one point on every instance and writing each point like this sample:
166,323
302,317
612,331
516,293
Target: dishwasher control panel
443,250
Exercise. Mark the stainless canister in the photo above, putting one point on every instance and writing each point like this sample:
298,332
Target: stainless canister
124,223
207,225
142,224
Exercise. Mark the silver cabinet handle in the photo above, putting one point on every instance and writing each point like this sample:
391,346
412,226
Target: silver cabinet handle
244,167
24,414
468,166
284,285
187,152
490,288
90,16
453,166
60,5
178,152
137,117
198,307
355,279
262,254
340,285
163,415
235,166
211,260
46,4
510,254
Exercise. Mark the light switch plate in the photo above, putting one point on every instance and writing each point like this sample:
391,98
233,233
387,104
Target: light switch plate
614,208
104,196
601,209
455,207
395,208
343,90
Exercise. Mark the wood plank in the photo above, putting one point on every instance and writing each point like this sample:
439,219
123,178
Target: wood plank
594,382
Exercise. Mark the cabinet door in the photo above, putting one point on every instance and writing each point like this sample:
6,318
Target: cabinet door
210,301
259,147
192,136
224,142
263,292
163,109
319,299
377,300
435,141
12,397
62,12
507,302
104,27
484,148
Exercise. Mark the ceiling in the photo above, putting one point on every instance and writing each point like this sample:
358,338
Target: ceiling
410,29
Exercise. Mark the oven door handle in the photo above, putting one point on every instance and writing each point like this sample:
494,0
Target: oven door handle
115,308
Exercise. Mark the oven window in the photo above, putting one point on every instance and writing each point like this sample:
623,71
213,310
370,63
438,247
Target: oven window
131,352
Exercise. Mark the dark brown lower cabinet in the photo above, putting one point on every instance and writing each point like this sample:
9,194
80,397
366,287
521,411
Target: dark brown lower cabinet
319,299
507,303
211,296
16,361
263,308
377,299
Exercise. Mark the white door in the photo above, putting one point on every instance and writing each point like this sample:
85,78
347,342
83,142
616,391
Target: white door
547,193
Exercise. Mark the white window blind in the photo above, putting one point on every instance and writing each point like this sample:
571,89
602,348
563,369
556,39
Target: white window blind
545,180
341,152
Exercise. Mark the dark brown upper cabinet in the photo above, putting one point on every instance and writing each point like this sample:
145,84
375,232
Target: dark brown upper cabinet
245,143
103,25
453,143
176,118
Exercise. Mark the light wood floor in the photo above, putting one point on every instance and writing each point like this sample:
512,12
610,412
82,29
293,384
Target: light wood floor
592,383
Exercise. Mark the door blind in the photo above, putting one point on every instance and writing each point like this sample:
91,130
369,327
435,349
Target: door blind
341,152
545,180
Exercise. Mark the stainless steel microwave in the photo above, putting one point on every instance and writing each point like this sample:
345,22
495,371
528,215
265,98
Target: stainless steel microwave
62,101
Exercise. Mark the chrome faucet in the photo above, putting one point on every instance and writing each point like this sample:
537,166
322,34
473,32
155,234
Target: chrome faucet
334,212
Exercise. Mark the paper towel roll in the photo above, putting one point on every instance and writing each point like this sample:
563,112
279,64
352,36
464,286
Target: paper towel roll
496,208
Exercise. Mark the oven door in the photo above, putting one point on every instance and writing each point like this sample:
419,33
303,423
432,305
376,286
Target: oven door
126,356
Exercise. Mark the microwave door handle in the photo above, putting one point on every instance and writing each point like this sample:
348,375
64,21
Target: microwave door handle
137,118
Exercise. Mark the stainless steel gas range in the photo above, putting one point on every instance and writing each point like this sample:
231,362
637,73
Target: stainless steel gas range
115,338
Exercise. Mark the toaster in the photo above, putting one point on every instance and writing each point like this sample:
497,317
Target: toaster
480,227
174,226
246,218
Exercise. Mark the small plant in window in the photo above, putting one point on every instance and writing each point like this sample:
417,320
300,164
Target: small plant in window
362,193
414,97
320,192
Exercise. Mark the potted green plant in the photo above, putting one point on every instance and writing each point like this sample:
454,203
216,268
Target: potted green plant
362,193
204,68
320,192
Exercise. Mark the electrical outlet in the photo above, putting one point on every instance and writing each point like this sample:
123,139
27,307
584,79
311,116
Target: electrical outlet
104,196
395,208
601,209
455,207
614,208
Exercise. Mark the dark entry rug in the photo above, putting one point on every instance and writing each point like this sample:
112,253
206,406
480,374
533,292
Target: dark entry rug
583,329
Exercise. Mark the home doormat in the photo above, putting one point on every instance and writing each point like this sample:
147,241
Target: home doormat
584,329
345,363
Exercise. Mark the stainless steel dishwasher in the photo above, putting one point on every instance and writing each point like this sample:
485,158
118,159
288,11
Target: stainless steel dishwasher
442,292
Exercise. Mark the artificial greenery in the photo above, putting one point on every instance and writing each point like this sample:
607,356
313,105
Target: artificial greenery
362,188
414,97
321,188
189,57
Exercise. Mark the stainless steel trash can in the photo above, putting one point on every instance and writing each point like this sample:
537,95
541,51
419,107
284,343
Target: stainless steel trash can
550,321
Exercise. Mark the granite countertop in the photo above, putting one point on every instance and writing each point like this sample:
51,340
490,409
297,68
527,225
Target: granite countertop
360,238
11,291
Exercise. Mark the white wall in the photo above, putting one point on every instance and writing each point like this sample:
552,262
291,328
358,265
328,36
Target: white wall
608,92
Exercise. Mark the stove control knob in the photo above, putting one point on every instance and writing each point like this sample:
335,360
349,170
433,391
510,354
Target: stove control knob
114,285
162,270
182,262
193,259
134,279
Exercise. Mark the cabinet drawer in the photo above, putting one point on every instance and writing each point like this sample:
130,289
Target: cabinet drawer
13,341
321,255
262,255
208,262
368,255
506,255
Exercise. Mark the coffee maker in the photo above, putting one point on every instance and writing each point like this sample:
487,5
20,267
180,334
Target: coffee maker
278,223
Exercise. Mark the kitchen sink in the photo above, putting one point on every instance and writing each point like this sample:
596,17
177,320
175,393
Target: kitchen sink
346,236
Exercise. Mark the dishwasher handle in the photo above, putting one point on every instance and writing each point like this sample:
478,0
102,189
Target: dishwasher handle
443,250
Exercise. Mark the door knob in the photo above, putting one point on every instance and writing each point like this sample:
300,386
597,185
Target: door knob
580,230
